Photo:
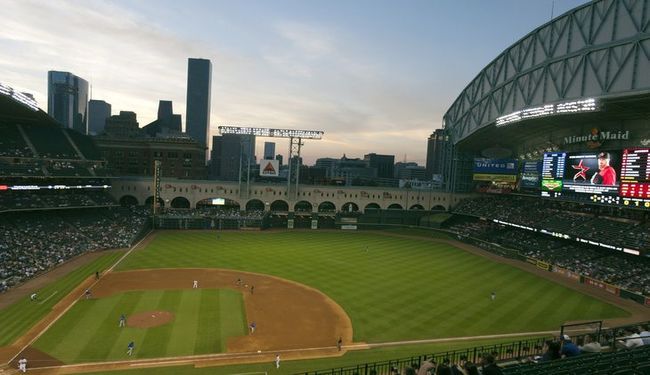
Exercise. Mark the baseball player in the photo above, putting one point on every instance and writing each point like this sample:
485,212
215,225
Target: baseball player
33,297
277,361
22,365
122,320
252,326
339,343
87,293
195,284
493,296
129,348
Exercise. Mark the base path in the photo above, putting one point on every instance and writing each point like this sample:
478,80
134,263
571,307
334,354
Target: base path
288,315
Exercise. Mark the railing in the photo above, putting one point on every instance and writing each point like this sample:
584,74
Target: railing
505,352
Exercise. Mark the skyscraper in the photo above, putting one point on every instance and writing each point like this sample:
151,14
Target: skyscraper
230,152
269,150
199,78
435,149
67,100
98,112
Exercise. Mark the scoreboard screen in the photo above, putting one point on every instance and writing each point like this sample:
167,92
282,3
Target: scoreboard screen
607,177
635,177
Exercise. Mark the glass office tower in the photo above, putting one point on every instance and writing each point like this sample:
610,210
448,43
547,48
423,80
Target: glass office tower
67,100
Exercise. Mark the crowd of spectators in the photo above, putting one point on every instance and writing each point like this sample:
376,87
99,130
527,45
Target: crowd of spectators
12,143
213,213
629,272
47,151
33,242
622,228
53,198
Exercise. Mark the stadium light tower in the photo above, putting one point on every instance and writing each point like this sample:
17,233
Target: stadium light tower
295,145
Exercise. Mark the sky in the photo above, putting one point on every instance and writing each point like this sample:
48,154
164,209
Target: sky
374,75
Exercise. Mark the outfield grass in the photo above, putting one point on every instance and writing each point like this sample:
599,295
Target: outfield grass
19,317
398,289
204,319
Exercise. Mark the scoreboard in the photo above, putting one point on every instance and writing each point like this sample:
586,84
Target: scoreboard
553,165
635,177
573,176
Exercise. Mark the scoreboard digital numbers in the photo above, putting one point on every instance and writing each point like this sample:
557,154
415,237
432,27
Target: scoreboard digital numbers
553,173
635,177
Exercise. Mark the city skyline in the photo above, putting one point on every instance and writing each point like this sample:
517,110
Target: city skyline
376,77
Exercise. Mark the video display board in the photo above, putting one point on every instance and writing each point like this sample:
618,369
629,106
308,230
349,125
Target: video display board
530,174
609,177
635,177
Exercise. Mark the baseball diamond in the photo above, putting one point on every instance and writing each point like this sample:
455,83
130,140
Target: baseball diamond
354,294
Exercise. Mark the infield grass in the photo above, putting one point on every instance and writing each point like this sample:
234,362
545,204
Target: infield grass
393,288
204,319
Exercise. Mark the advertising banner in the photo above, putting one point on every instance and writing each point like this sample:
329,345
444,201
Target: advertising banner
594,283
495,177
612,289
567,273
270,168
502,166
530,175
543,265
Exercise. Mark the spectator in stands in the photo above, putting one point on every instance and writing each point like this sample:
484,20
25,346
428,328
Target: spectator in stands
591,345
443,368
551,351
631,341
489,365
568,348
468,366
644,333
463,367
426,366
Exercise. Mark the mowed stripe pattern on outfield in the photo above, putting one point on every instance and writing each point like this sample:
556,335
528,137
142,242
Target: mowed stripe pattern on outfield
204,319
20,316
392,288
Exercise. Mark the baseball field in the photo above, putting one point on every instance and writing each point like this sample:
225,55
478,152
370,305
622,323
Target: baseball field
304,289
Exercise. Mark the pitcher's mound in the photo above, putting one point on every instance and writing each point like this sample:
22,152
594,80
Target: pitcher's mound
149,319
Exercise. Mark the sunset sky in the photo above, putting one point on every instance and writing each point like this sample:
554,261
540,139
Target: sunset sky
375,76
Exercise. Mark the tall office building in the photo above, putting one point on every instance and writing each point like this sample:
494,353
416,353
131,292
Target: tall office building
98,112
229,153
197,117
67,100
269,150
435,149
385,164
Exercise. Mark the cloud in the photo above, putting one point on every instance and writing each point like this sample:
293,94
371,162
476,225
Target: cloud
299,76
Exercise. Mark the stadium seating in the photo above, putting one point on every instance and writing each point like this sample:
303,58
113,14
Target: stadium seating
50,142
12,142
629,272
628,362
33,242
21,200
85,145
